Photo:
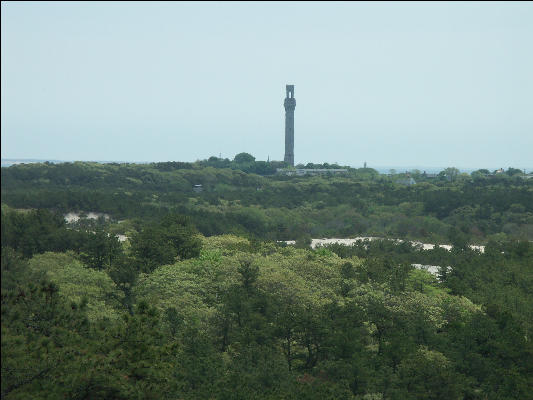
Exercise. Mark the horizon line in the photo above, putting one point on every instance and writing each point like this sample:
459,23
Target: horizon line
58,161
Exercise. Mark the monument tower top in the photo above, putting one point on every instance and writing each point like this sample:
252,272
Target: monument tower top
290,91
290,105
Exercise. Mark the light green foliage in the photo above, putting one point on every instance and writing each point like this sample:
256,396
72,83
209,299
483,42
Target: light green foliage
318,274
457,309
76,282
226,244
415,304
423,301
193,286
257,320
190,286
310,278
424,282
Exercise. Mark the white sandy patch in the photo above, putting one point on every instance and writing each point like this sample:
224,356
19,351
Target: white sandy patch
75,217
350,241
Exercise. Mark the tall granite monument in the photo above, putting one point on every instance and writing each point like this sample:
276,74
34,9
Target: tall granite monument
290,105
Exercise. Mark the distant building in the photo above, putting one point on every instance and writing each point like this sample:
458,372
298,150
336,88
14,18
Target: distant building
198,188
308,171
408,181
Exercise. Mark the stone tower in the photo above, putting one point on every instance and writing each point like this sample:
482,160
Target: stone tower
290,105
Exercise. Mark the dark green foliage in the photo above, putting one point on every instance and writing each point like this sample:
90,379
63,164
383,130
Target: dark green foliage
377,329
158,244
243,158
246,311
99,249
247,198
35,232
44,341
426,375
13,268
124,274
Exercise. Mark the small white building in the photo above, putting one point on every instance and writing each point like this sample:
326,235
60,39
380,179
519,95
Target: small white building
309,171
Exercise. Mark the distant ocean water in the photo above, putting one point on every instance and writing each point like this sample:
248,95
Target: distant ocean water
7,162
436,170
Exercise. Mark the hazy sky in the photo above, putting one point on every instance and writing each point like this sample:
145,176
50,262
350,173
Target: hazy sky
403,84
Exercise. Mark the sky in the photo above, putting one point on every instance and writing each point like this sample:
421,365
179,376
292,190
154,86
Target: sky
434,84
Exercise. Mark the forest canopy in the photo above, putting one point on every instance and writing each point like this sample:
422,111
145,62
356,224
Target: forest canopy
177,293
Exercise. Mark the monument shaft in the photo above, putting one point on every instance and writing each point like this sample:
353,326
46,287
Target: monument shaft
290,105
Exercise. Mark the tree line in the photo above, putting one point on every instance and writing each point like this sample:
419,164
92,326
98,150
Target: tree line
273,207
172,314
